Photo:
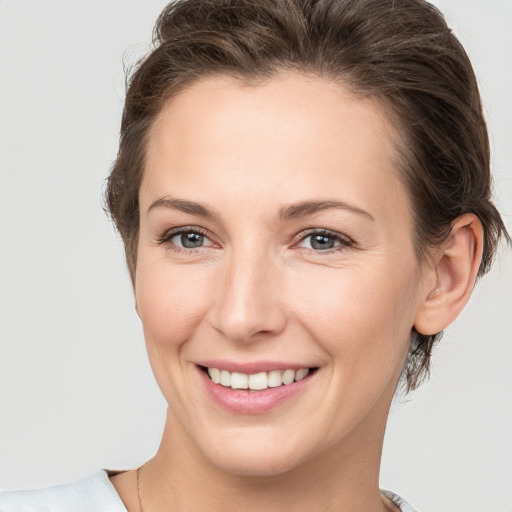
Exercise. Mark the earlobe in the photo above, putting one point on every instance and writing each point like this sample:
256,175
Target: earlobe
136,307
454,271
135,303
134,289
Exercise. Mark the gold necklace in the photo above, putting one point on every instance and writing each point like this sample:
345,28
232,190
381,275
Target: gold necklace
138,487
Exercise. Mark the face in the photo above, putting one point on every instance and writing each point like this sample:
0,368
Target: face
275,241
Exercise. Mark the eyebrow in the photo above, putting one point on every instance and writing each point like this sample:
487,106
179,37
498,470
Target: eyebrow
288,212
184,206
304,208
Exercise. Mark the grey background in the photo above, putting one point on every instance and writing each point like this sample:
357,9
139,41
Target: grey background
76,390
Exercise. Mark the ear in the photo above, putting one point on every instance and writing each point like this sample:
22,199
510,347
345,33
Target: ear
134,290
451,276
135,301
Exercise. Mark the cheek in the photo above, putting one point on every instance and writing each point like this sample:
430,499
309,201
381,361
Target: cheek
170,304
359,315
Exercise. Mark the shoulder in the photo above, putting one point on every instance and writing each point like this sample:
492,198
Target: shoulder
397,500
94,492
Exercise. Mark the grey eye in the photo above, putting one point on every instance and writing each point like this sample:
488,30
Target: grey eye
320,242
188,240
191,240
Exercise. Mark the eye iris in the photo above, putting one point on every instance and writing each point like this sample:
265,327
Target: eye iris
322,242
191,240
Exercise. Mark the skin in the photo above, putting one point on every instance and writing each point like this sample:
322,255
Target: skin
258,290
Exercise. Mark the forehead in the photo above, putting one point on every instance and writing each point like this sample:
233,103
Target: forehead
304,104
293,134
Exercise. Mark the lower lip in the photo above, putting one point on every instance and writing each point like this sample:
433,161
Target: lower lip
243,401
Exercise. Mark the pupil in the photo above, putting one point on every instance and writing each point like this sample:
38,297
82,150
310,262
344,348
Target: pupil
322,242
191,240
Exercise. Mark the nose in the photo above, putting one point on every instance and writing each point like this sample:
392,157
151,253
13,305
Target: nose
250,301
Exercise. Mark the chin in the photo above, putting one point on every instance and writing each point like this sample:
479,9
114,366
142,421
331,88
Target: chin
261,458
258,466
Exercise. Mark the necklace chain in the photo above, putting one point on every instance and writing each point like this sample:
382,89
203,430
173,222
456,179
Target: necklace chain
138,487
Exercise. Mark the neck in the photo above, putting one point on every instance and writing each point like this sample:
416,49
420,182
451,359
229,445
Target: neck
345,479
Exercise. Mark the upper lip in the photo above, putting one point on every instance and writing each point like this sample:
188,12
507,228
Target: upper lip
252,367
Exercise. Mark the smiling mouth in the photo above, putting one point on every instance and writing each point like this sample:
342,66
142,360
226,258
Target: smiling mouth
256,381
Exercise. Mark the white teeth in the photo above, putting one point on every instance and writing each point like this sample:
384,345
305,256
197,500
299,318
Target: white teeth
256,381
274,379
239,381
214,374
300,374
225,378
288,377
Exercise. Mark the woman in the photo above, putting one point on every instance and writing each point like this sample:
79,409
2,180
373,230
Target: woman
304,196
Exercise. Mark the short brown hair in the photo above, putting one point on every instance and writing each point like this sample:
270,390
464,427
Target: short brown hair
400,51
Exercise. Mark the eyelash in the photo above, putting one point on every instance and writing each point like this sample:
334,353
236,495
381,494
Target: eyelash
344,241
169,235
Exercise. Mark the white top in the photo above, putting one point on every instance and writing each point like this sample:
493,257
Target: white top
94,493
